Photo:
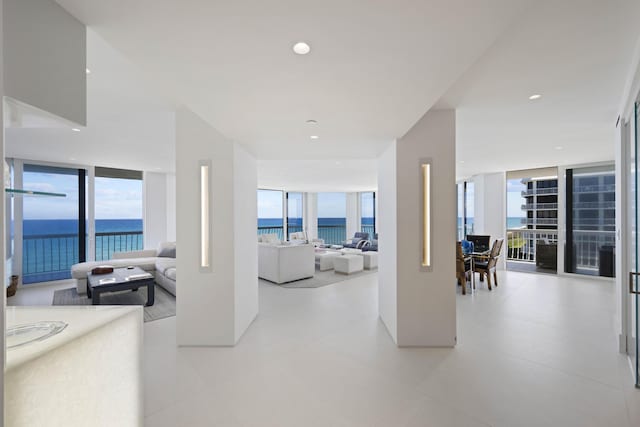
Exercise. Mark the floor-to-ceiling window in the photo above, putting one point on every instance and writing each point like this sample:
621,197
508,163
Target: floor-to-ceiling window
368,213
118,212
55,226
52,240
590,221
271,213
294,212
465,191
332,217
532,220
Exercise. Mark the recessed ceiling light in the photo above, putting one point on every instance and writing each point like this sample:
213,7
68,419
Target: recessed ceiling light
314,137
75,129
559,147
338,163
88,71
72,158
312,122
301,48
535,96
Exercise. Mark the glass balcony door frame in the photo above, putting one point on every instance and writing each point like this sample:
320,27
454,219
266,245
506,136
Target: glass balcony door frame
563,209
18,212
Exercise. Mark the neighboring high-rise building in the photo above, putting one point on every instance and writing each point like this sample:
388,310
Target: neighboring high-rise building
541,204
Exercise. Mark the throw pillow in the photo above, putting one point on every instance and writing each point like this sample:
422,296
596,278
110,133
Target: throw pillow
167,250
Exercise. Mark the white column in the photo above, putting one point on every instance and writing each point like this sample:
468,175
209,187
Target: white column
215,307
490,207
155,209
418,306
353,214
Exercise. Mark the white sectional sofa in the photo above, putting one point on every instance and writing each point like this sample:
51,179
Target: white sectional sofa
281,263
158,262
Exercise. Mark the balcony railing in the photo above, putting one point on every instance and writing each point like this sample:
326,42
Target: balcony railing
539,206
332,234
588,245
47,257
521,243
117,241
540,191
279,230
540,221
367,228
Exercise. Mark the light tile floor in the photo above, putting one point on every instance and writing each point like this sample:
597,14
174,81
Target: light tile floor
538,351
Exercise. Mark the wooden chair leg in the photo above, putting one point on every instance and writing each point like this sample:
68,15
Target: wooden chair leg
489,279
495,278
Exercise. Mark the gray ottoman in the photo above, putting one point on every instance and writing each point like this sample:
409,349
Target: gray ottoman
347,264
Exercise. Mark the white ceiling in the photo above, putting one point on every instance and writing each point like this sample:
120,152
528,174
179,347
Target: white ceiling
376,66
577,54
347,175
129,124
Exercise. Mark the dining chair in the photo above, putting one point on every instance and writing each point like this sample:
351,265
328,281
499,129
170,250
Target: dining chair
463,268
487,265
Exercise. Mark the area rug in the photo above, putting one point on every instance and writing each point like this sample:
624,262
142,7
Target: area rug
164,304
321,278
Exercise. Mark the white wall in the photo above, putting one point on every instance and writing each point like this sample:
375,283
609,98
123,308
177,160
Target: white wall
490,207
45,58
311,215
425,299
245,183
171,207
387,240
155,209
3,297
208,311
353,214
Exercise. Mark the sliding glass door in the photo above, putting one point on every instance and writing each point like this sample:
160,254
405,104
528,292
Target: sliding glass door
368,213
332,217
271,213
294,213
53,228
118,212
590,221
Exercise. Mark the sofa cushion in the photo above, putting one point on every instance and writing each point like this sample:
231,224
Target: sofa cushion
163,264
167,250
80,271
170,273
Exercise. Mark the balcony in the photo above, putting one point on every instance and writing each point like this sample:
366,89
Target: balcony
540,191
540,221
539,206
48,257
521,243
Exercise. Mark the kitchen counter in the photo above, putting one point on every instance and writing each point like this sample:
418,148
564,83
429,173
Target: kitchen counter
88,374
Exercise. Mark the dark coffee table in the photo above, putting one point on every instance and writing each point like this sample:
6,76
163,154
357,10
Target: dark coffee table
121,279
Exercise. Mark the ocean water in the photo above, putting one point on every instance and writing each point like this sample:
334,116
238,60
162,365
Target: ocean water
331,230
35,227
50,246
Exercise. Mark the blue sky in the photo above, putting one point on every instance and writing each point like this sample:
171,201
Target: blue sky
115,198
